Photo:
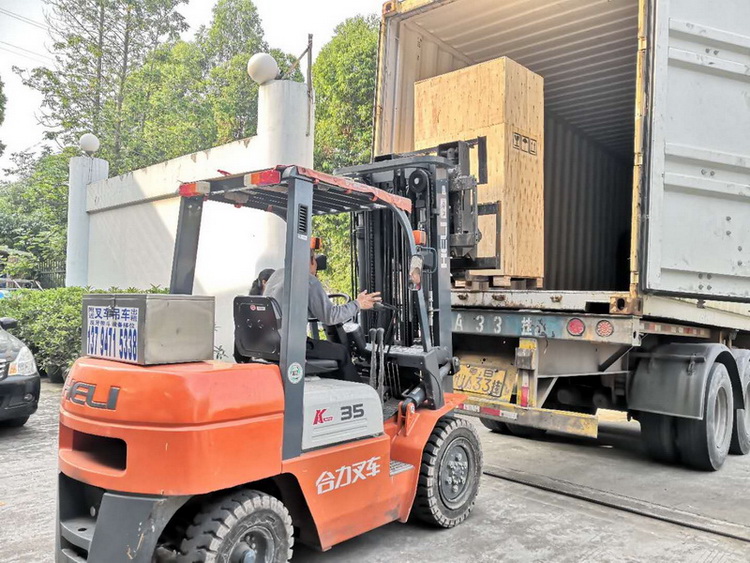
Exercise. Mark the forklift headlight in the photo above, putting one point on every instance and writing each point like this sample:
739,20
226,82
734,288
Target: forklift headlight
24,363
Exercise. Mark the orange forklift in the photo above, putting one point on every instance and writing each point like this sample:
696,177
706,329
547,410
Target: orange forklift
168,456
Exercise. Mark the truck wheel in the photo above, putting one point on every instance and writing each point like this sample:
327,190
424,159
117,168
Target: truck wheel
495,425
658,434
526,431
704,444
15,422
239,527
449,474
741,434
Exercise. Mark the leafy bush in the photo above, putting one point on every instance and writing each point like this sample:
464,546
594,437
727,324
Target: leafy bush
49,321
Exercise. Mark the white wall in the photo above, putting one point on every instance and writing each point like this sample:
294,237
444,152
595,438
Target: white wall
133,217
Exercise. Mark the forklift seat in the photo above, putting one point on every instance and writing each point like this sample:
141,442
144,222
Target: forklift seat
257,320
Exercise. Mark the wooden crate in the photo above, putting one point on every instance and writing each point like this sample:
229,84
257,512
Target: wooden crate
504,102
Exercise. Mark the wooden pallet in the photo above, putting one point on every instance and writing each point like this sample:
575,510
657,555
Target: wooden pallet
484,283
509,282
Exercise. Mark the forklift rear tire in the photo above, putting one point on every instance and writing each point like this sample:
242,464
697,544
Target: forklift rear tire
659,436
495,425
449,474
704,444
241,526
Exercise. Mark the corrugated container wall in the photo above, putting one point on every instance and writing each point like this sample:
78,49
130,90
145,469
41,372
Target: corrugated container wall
587,212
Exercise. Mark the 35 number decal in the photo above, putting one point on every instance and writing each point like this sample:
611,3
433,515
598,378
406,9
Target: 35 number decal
351,412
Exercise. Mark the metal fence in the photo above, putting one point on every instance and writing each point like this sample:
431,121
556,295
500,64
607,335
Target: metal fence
52,274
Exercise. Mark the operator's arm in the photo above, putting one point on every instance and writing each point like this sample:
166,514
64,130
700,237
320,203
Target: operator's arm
324,310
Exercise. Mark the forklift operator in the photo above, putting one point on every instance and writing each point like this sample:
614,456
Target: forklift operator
319,306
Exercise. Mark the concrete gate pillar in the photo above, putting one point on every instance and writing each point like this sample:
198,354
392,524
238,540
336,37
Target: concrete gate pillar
83,171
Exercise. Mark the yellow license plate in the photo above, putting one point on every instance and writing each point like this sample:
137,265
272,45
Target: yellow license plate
480,381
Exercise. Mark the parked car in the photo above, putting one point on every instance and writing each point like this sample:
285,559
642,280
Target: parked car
9,285
19,378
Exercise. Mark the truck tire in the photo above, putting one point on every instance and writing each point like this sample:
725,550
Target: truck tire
449,474
236,525
495,425
526,431
14,422
659,437
741,432
704,444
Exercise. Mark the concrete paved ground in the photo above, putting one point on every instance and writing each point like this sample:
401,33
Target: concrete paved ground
617,463
511,522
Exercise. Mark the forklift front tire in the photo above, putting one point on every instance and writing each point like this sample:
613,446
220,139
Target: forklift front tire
239,527
449,474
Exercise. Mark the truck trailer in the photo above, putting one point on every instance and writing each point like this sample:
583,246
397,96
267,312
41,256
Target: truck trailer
644,306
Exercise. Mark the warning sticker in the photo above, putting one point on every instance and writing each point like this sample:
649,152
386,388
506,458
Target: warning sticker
524,143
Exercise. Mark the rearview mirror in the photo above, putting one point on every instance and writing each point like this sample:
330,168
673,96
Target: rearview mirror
8,322
416,264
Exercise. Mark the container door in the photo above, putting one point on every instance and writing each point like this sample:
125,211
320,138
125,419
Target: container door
698,167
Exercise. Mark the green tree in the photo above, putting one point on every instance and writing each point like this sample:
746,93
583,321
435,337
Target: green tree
167,106
235,29
3,99
97,44
34,207
190,96
344,76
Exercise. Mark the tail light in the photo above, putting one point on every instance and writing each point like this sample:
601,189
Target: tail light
193,189
576,327
604,329
263,178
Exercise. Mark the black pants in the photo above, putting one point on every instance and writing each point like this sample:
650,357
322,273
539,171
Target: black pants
325,350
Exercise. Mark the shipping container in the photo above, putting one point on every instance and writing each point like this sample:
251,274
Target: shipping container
646,131
646,204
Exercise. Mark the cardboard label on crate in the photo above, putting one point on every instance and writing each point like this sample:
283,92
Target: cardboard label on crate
524,143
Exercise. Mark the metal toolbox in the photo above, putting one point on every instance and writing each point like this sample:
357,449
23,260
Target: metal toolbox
148,329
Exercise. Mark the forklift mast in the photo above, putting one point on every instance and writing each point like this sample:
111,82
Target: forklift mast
445,211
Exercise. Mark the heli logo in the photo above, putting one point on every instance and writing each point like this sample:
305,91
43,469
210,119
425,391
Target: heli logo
82,393
320,417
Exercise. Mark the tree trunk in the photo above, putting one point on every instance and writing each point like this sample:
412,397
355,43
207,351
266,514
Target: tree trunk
99,60
121,88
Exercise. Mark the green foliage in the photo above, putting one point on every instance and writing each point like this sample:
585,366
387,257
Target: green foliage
49,321
235,29
334,231
166,104
97,44
19,265
34,207
193,95
344,76
3,100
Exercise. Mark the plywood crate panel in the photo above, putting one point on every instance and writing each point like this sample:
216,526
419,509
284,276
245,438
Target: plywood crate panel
504,102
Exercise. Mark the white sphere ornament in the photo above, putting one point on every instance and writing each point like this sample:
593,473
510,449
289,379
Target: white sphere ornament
262,68
88,143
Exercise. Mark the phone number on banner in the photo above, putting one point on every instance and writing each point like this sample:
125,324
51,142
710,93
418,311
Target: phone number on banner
112,332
